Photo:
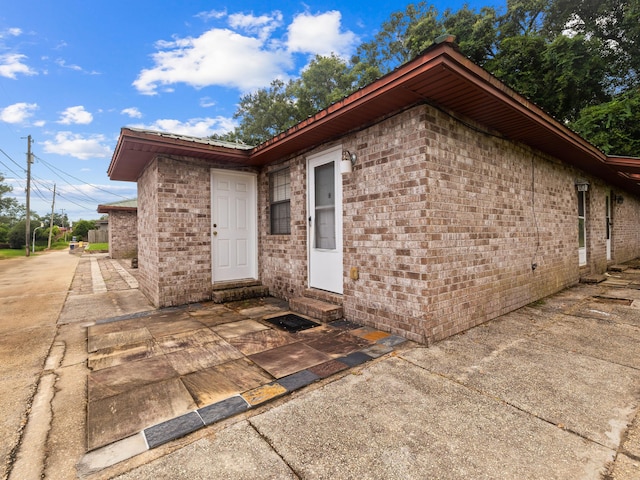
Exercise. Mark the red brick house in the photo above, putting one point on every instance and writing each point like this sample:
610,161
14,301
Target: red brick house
428,202
123,228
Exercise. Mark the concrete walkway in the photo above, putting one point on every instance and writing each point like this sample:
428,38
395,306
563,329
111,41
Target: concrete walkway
548,391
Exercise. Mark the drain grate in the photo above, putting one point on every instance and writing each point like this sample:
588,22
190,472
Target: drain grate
291,322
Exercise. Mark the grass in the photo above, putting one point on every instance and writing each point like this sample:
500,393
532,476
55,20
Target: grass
12,252
98,246
20,252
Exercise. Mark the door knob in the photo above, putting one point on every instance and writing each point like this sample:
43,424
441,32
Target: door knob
215,233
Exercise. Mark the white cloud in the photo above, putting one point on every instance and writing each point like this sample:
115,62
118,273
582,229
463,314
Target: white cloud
247,55
18,112
212,14
262,26
195,127
306,30
207,102
12,64
14,32
217,57
78,146
63,63
76,115
132,112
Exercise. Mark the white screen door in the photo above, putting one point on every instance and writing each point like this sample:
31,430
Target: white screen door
233,226
582,229
325,221
608,224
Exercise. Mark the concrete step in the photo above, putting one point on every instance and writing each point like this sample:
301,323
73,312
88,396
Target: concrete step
592,278
234,294
318,309
617,268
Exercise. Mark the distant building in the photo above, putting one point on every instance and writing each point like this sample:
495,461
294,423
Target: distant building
123,228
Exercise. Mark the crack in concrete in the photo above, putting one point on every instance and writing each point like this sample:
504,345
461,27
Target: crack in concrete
275,450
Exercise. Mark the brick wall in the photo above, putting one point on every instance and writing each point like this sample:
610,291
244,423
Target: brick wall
625,237
175,248
444,223
283,258
184,231
148,264
123,233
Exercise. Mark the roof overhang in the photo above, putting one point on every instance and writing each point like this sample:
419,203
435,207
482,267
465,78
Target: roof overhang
137,148
441,77
111,209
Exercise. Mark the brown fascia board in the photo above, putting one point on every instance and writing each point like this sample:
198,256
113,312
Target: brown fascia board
625,164
109,209
136,149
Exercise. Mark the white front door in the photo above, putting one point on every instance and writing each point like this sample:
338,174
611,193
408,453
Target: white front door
325,220
233,225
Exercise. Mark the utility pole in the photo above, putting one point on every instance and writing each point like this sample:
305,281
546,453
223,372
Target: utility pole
53,204
28,222
64,228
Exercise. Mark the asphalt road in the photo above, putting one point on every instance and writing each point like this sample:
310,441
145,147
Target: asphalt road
32,293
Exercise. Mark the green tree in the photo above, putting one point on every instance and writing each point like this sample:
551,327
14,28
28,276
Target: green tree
82,227
17,234
614,23
10,209
4,233
562,76
325,81
562,65
264,114
394,44
614,126
270,111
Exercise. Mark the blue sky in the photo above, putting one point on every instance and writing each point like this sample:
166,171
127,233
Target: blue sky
72,73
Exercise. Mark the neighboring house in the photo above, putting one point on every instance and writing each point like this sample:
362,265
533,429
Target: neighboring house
102,225
123,228
424,204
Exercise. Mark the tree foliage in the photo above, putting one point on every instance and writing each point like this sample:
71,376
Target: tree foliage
269,111
17,235
81,228
10,209
613,126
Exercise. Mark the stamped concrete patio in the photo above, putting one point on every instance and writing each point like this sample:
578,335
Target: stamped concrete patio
172,371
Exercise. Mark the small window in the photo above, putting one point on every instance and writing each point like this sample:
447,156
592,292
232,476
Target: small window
280,202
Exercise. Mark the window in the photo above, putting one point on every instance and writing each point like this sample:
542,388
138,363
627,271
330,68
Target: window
280,201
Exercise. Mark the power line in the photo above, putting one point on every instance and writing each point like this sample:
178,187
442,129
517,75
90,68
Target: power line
75,187
5,165
84,207
61,195
78,179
